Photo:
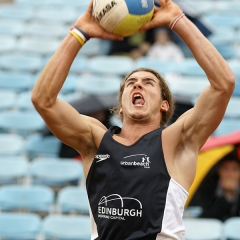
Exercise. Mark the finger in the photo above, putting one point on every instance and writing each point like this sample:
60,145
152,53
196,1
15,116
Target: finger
90,7
111,36
161,2
147,26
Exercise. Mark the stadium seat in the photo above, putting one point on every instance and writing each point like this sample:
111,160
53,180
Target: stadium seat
203,229
98,85
237,89
117,65
56,173
23,13
226,126
190,67
13,170
192,212
17,82
79,65
65,15
39,30
234,64
226,50
21,63
42,46
42,146
223,35
19,226
7,99
39,199
24,102
95,47
7,44
223,19
233,108
73,199
11,28
159,65
11,144
66,227
231,228
189,86
22,123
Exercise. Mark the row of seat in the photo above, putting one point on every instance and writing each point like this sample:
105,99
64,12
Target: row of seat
54,172
42,199
30,226
117,65
212,229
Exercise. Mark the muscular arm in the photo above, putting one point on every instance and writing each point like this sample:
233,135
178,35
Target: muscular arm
184,138
76,130
210,107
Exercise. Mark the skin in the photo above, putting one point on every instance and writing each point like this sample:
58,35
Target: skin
181,141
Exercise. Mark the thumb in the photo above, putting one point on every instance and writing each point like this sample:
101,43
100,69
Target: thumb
147,26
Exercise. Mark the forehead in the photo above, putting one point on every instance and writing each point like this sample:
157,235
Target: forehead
230,164
142,75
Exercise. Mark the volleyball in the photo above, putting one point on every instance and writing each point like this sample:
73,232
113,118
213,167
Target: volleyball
123,17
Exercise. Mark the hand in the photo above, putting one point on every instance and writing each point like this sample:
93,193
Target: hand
89,24
162,16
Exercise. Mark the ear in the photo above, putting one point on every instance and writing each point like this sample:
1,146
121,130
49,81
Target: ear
120,111
164,106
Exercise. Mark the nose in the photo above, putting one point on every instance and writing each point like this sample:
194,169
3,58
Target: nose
137,85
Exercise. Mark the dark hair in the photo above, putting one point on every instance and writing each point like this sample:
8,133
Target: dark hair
165,94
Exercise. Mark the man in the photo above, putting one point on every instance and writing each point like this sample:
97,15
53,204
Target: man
225,203
130,199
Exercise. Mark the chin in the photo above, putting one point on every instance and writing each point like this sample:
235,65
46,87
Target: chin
139,118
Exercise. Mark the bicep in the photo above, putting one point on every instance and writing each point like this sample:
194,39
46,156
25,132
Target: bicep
202,120
69,126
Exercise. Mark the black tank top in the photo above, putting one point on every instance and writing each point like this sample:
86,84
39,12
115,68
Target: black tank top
127,187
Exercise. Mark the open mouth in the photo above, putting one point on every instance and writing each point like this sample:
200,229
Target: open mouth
138,99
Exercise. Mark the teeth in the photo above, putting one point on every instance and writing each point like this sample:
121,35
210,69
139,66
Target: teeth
137,95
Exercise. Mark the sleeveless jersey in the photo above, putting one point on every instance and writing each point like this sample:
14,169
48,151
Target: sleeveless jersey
131,193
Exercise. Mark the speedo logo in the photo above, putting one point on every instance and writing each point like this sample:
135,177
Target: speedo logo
102,157
136,160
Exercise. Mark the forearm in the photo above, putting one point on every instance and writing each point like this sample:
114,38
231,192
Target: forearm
214,65
54,74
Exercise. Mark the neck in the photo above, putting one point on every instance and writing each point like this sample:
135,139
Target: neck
132,132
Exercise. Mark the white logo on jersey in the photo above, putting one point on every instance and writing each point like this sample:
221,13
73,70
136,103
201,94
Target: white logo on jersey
102,157
144,4
137,160
105,210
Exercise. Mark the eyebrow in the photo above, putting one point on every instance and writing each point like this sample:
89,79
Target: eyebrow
143,79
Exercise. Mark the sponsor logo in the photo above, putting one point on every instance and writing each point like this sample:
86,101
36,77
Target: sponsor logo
107,8
144,4
137,160
102,157
116,207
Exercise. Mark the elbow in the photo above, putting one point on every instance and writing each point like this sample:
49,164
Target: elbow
231,82
228,83
37,102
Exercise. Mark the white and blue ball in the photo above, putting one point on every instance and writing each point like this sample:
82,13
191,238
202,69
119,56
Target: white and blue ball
123,17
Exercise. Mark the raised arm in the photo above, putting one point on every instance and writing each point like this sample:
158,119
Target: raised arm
203,119
72,128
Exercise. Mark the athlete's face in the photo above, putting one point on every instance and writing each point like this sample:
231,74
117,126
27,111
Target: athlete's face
141,98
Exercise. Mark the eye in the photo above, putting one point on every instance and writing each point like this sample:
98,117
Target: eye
149,83
130,83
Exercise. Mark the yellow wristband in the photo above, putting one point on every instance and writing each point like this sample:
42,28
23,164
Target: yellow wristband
77,37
